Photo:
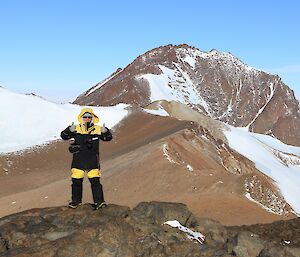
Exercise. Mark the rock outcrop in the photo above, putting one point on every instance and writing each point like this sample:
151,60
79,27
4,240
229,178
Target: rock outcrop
141,231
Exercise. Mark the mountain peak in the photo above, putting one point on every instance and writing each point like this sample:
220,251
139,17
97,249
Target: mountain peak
214,83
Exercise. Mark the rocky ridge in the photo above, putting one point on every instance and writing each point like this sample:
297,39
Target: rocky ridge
141,231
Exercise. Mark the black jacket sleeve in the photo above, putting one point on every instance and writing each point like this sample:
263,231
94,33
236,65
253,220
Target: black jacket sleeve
67,134
107,136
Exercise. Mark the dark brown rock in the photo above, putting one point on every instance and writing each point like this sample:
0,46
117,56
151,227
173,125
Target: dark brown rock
276,233
118,231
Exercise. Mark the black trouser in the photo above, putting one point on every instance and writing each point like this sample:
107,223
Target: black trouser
77,190
96,186
97,190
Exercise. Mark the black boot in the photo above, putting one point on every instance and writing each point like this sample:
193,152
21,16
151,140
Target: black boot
76,193
97,191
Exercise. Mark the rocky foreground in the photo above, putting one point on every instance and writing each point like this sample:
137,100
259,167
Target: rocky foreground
141,231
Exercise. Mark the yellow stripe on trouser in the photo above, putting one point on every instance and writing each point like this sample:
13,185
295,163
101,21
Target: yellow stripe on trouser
78,173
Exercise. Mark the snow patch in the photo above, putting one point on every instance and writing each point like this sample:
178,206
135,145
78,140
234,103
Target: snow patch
173,84
190,60
269,97
159,112
248,196
190,233
189,167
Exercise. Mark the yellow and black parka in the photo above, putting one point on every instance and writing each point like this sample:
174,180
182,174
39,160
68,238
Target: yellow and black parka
85,147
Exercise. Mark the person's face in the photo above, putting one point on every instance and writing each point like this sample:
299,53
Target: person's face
87,117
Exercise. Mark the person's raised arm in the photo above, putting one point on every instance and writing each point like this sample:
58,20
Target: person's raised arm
105,134
68,133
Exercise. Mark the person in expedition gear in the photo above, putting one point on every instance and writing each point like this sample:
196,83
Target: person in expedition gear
85,150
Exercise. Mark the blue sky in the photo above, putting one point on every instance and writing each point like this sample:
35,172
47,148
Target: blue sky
59,49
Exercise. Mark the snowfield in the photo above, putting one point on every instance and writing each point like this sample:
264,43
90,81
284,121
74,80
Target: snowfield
28,120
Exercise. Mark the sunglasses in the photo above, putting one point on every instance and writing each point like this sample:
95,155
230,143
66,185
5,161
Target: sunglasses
87,117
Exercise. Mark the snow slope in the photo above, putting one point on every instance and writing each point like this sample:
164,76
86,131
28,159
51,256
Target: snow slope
28,120
179,87
275,159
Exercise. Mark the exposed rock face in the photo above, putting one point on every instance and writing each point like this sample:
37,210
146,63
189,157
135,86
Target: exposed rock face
216,84
120,231
261,190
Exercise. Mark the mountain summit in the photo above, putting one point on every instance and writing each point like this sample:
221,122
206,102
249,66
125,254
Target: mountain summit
216,84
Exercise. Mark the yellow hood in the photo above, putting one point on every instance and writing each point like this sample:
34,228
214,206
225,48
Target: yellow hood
89,110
